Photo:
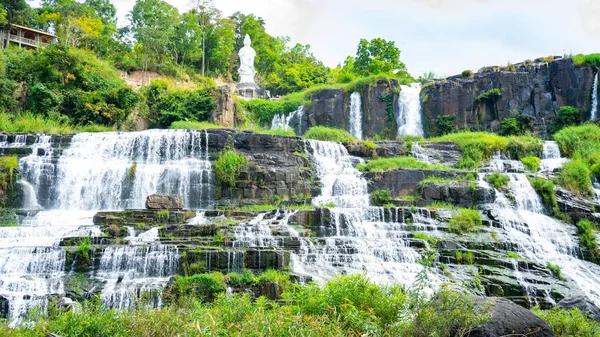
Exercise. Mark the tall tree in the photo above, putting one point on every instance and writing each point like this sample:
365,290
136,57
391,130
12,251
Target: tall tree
207,14
17,11
3,17
377,56
152,23
220,48
105,10
74,23
187,39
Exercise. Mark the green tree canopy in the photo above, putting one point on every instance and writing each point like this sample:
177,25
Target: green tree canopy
377,56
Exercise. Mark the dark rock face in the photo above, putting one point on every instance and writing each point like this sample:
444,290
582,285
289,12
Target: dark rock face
4,308
331,107
404,182
581,303
538,90
460,193
165,202
509,319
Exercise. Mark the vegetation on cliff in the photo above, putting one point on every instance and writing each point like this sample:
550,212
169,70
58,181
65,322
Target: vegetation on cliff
582,145
389,164
329,134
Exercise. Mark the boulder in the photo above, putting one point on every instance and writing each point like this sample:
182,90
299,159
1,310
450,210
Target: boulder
4,307
166,202
582,303
510,319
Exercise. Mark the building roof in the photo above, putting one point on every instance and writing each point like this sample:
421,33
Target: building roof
33,30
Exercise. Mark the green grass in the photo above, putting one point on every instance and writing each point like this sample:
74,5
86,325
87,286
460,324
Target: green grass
546,190
345,306
498,180
555,270
587,237
514,255
465,221
29,123
581,60
274,132
569,323
329,134
464,257
192,125
479,146
576,176
369,144
84,249
532,163
389,164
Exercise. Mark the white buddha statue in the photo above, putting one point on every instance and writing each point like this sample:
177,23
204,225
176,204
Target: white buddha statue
247,55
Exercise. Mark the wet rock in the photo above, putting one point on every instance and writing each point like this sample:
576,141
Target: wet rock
4,307
270,290
164,202
509,319
404,182
582,303
460,193
223,114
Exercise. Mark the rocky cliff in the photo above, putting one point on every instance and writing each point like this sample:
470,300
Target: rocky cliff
536,89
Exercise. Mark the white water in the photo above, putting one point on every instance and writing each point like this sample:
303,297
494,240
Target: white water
356,116
594,110
409,107
357,238
104,171
552,160
543,239
420,153
282,122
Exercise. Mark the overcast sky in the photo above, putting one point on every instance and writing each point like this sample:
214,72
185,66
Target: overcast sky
443,36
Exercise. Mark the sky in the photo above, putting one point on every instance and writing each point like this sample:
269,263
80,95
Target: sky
443,36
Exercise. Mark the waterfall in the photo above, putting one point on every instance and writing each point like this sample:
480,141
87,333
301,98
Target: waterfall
357,238
130,271
356,117
594,111
282,122
420,153
409,107
134,165
552,160
103,171
542,239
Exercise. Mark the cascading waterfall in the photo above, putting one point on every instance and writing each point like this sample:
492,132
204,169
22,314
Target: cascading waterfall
420,153
409,107
356,116
282,122
542,239
104,171
594,110
552,160
358,238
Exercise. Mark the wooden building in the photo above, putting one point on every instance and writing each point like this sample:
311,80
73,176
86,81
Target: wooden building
24,37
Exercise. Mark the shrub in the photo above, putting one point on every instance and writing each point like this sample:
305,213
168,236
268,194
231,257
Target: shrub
568,323
464,257
566,116
246,278
555,270
465,220
84,249
445,124
498,180
510,126
532,163
545,189
381,197
203,287
575,176
8,164
514,255
329,134
587,237
229,166
489,96
262,111
389,164
467,74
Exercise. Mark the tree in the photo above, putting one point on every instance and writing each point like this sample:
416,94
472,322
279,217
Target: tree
3,17
187,39
152,23
106,11
75,23
377,56
207,14
16,11
220,44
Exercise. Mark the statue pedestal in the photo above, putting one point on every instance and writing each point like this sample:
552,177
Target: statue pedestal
249,91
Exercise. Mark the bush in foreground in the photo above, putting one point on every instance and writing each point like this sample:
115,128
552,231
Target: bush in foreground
569,323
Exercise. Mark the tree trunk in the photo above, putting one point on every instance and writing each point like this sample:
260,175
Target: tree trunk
203,49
